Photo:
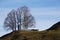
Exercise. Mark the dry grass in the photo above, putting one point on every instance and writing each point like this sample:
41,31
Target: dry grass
33,35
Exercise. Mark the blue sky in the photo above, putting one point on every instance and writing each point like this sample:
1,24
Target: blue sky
46,12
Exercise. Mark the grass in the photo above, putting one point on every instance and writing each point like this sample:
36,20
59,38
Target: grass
33,35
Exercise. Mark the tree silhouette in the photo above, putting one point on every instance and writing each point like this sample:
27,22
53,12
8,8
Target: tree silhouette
10,20
18,19
28,19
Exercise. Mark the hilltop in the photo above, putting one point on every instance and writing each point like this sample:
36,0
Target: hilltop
53,33
32,35
55,27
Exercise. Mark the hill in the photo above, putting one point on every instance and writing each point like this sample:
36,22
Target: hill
53,33
32,35
55,27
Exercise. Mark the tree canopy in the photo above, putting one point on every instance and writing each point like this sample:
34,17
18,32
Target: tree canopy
19,19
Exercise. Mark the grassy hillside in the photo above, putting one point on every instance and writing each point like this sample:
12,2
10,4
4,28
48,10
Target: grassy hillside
55,27
32,35
53,33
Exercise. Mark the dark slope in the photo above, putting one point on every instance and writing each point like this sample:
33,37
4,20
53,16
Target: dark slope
32,35
55,26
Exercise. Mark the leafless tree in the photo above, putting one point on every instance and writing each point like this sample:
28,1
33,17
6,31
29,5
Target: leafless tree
10,21
28,19
18,19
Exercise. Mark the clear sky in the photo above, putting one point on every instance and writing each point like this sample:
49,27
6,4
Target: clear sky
46,12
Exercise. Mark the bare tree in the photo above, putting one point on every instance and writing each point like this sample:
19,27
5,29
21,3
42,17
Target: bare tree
10,21
28,19
19,19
